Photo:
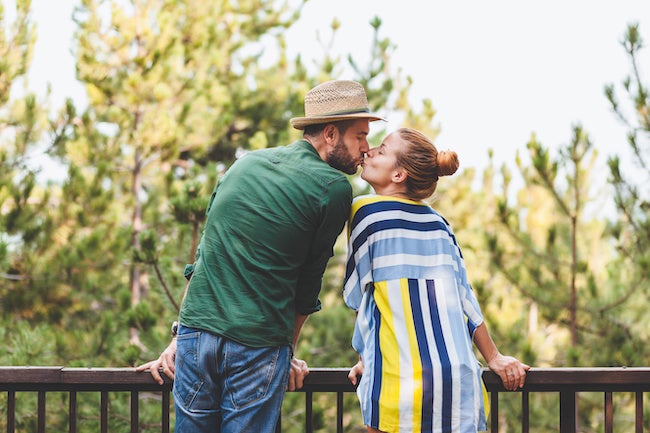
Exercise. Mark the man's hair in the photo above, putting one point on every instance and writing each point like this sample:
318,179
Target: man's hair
342,126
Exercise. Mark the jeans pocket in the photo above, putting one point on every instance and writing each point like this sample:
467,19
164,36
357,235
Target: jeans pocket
254,372
190,388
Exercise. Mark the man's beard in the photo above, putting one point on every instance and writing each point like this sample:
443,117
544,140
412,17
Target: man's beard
340,159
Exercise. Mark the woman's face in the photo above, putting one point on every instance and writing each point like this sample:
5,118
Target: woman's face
380,164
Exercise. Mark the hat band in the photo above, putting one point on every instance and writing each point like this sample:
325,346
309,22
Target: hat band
341,113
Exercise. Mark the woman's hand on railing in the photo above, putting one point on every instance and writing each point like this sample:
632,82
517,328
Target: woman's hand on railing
356,372
165,362
511,371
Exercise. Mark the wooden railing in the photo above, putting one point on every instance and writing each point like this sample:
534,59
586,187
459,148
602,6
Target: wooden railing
567,383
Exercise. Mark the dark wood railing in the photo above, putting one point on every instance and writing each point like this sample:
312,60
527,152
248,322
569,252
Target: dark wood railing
566,382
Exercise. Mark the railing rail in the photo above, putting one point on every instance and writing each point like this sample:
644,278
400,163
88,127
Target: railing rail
567,382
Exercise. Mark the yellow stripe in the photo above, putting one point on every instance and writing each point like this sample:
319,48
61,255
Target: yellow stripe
416,362
486,400
361,201
389,396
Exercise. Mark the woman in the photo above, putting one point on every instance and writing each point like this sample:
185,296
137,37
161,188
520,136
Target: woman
417,314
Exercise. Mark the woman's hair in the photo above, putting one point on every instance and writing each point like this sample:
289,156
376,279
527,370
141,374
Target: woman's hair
423,163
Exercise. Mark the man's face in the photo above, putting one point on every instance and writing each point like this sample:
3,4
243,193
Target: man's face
348,151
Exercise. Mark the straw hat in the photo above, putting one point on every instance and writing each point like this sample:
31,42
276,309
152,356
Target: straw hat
333,101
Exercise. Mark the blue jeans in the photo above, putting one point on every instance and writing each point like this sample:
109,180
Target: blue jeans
221,386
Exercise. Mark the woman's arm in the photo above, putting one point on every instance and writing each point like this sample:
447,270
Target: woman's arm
511,370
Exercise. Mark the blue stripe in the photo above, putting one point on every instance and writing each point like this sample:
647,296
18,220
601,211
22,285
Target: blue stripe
418,226
378,226
408,271
444,359
403,245
376,384
425,358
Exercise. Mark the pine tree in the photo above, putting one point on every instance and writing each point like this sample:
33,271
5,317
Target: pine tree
176,85
631,230
551,250
24,223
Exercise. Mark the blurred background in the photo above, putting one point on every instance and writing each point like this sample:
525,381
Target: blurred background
118,117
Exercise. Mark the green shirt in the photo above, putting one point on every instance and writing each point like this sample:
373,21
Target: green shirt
271,226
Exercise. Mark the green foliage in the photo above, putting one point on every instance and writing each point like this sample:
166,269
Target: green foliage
141,317
27,345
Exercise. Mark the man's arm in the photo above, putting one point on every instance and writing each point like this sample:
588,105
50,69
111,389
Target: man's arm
166,360
299,367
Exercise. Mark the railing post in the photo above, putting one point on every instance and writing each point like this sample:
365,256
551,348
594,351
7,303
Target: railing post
525,412
103,410
567,412
339,412
609,413
494,411
135,412
165,411
11,411
72,412
638,413
309,415
41,411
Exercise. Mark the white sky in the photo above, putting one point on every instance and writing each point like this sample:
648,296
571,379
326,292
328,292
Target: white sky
496,70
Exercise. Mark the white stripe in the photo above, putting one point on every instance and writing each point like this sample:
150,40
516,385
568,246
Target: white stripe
405,233
363,322
350,285
474,315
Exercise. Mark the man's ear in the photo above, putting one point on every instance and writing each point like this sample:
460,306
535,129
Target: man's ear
330,134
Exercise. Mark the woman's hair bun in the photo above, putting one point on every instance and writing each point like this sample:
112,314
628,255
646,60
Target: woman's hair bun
447,162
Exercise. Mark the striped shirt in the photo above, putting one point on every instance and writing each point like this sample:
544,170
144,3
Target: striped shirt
416,314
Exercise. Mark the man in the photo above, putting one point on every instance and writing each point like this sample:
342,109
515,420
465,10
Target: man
271,226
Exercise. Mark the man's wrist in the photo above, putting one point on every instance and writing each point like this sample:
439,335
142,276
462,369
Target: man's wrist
174,328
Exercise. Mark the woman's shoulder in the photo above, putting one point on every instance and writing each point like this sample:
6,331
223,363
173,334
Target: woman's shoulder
366,199
370,203
362,200
373,206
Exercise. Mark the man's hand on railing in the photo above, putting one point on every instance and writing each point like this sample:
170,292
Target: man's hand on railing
297,374
165,361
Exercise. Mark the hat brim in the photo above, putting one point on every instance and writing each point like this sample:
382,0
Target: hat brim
302,122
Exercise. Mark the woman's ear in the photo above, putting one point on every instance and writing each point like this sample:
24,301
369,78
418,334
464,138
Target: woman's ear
399,175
